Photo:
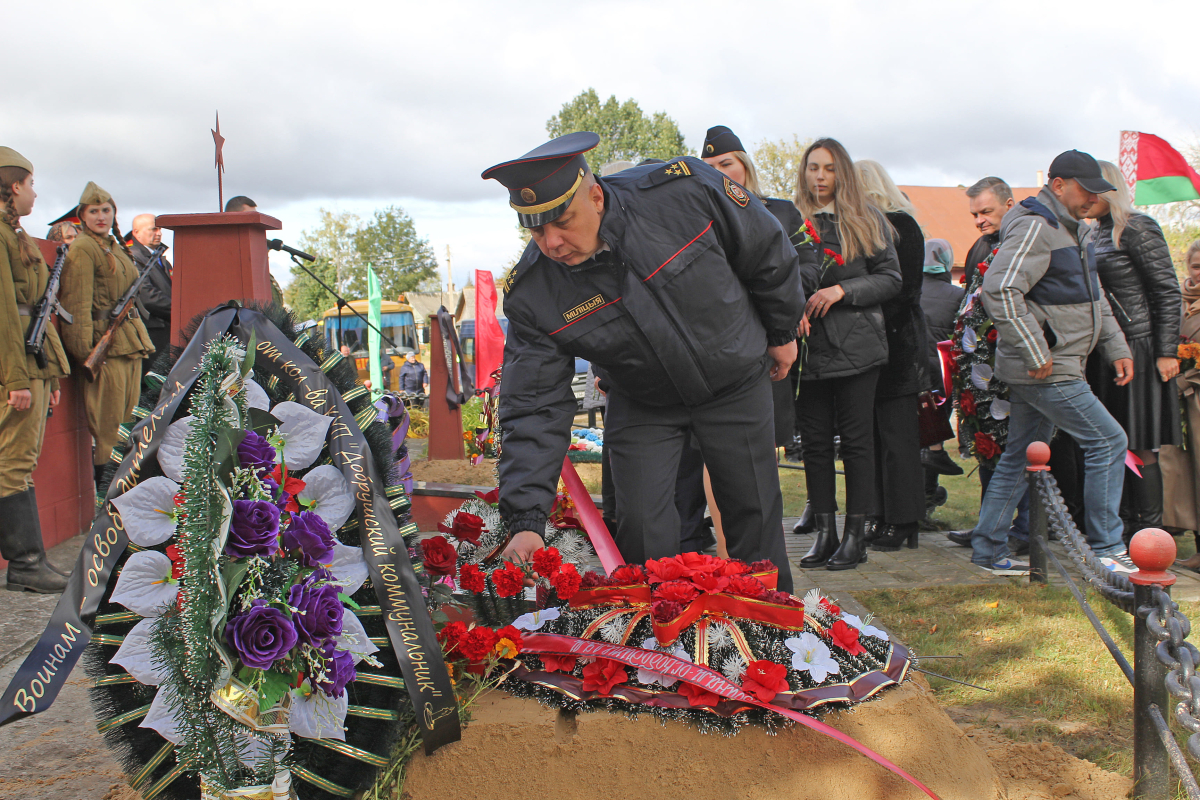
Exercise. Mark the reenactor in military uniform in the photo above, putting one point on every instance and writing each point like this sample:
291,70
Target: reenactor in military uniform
686,292
27,391
97,273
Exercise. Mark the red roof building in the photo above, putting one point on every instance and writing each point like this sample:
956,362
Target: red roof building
943,214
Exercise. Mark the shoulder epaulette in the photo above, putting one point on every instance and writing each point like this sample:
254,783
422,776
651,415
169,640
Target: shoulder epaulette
518,270
667,172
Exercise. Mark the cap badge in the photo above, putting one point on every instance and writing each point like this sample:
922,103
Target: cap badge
708,148
736,193
528,195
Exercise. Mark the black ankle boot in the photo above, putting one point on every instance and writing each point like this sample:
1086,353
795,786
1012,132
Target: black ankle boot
1148,499
805,523
826,543
873,528
897,535
853,550
21,546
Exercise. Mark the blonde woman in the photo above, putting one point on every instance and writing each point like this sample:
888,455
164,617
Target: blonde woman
899,478
1138,278
844,347
96,274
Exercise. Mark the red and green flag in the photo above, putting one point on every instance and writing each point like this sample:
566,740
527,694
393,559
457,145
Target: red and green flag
1155,172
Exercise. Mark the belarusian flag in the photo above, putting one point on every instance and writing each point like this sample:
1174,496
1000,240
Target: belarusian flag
1155,172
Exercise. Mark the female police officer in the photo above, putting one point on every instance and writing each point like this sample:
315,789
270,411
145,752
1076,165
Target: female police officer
26,390
96,274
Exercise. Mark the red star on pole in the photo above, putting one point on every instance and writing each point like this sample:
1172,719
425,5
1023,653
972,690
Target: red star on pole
219,142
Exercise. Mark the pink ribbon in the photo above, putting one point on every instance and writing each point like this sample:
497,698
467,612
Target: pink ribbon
590,518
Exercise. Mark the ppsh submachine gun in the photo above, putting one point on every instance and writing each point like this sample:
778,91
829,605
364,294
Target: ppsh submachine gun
40,318
123,310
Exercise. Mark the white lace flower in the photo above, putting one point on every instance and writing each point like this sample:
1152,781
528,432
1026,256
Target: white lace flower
734,667
170,450
812,599
981,374
535,619
864,627
719,637
303,432
349,567
147,511
649,677
329,488
811,655
134,655
144,585
613,631
318,716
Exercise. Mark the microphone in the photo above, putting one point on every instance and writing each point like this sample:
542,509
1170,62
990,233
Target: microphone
276,244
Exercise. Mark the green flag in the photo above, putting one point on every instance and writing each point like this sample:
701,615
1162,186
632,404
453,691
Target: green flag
374,301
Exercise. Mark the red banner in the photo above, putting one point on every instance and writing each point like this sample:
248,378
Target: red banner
489,336
696,675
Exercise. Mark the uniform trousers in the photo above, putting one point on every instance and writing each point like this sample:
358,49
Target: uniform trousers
899,478
109,401
21,434
735,432
846,405
161,339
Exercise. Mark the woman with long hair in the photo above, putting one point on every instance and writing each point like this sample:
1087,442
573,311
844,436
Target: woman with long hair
27,390
1138,277
899,478
97,272
843,346
1181,465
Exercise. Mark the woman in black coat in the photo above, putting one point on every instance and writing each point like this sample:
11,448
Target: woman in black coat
899,480
1135,268
843,347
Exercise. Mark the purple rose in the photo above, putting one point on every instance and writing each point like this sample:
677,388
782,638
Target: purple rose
282,498
339,670
318,611
254,529
310,535
261,636
256,453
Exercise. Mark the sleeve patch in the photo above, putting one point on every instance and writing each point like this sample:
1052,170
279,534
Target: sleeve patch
736,193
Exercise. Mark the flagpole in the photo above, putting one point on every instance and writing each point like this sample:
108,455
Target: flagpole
218,143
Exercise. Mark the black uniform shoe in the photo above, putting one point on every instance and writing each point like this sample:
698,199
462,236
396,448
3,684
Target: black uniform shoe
826,543
21,545
896,535
961,538
940,462
853,550
805,524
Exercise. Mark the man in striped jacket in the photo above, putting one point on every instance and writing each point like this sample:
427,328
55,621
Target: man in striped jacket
1044,296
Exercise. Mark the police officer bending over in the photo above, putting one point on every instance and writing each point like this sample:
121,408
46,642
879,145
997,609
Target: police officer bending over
687,294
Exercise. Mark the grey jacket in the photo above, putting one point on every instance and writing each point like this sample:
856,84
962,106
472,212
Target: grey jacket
1043,293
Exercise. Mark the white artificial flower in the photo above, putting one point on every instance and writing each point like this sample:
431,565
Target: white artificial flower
864,627
812,599
969,340
666,681
134,655
303,432
256,396
1000,408
172,447
535,619
980,375
719,637
811,655
147,511
349,567
354,639
160,717
144,585
317,715
331,491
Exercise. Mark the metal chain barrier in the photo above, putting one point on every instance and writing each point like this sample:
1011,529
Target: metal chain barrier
1180,657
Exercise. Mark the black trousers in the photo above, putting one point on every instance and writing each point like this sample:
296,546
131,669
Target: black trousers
690,501
847,405
161,339
736,436
899,478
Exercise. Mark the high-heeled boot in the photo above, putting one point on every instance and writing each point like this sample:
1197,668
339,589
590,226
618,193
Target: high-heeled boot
826,543
1148,498
894,536
853,550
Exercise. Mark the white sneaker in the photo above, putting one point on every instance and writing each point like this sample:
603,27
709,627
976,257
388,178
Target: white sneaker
1008,566
1119,562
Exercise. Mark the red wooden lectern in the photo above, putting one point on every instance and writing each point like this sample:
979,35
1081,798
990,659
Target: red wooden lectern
445,426
217,258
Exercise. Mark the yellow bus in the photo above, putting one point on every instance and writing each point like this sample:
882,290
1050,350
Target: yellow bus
396,322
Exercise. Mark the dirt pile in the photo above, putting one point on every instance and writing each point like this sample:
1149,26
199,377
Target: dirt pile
1043,771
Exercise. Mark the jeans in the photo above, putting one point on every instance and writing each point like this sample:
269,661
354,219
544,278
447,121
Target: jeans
1020,523
1036,410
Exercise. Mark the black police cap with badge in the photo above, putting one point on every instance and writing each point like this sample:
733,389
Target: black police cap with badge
542,182
718,141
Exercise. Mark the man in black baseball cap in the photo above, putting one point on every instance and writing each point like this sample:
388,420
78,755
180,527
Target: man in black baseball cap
1083,169
686,296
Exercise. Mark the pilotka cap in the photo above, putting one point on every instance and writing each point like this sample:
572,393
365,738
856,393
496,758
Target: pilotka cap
718,141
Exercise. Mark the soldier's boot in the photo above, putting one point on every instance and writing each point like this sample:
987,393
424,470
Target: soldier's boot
21,545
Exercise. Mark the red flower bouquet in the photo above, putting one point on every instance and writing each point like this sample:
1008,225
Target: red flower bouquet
765,679
602,675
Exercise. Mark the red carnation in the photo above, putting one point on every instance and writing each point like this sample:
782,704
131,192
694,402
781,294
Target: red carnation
762,566
746,586
666,610
467,527
291,486
509,579
478,643
846,637
962,279
733,567
566,582
592,580
784,599
675,592
665,569
602,675
698,696
837,259
995,250
966,402
472,578
764,680
513,635
546,561
986,446
699,563
491,498
440,556
628,575
829,607
553,663
709,583
983,268
993,335
177,563
812,231
451,636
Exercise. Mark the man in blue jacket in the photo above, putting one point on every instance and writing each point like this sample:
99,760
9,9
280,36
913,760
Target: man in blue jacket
1043,294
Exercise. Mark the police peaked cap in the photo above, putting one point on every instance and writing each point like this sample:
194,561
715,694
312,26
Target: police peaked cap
718,141
542,182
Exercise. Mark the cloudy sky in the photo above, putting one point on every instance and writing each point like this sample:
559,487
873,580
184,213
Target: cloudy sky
356,105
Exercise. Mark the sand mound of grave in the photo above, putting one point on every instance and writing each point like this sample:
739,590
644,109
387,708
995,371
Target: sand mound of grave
517,749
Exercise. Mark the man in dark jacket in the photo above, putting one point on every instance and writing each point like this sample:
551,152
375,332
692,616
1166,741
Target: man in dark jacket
155,294
413,377
940,300
687,294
